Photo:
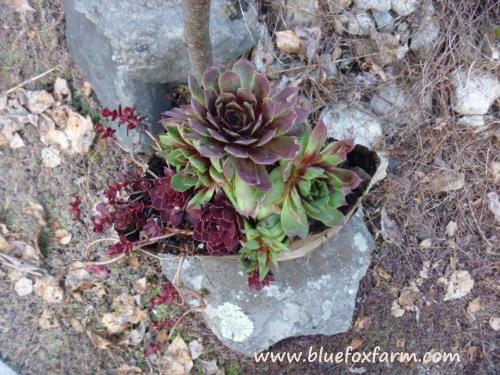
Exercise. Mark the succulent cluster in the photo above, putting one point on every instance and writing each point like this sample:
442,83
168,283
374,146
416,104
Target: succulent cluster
243,138
244,171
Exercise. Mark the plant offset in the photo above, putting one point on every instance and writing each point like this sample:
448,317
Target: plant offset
244,172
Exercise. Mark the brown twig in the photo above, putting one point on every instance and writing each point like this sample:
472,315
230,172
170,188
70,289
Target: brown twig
33,79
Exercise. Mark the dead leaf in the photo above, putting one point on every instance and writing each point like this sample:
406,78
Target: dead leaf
494,323
451,228
62,92
36,210
389,229
396,309
99,342
196,348
176,359
63,236
47,320
211,368
383,274
87,88
475,305
289,42
495,171
77,326
128,370
3,243
408,297
425,244
23,287
447,181
78,279
80,132
363,323
356,343
114,323
49,290
135,336
310,37
494,205
125,311
141,285
20,6
424,273
459,285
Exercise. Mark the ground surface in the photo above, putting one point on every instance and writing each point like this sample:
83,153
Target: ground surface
34,43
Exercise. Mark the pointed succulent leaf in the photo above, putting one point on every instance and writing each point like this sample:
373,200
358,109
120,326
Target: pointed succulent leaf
263,264
195,89
246,72
344,178
312,173
329,217
304,187
340,148
202,197
285,147
229,82
317,139
293,216
211,78
200,163
183,181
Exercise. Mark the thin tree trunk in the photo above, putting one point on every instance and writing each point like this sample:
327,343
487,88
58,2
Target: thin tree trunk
197,34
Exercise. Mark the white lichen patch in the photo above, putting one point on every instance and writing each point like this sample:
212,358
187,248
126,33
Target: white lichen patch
327,308
234,324
319,284
360,242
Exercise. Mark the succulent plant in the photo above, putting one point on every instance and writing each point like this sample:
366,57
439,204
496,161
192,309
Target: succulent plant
219,226
169,202
236,116
262,245
193,169
312,185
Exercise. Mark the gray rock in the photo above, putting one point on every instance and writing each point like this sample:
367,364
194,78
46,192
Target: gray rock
6,370
474,91
338,4
312,295
384,21
398,105
381,5
359,23
132,51
345,121
405,7
473,121
302,12
424,37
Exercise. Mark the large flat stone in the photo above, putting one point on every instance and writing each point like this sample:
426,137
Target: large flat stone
311,295
132,51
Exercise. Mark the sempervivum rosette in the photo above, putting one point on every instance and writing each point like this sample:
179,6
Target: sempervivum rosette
237,117
219,226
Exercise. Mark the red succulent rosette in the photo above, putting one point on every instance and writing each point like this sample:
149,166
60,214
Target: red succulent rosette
219,226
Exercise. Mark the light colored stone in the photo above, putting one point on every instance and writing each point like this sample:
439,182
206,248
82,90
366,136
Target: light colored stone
473,121
405,7
360,23
339,4
132,52
345,121
302,12
474,91
312,295
16,142
398,105
50,157
423,39
380,5
384,21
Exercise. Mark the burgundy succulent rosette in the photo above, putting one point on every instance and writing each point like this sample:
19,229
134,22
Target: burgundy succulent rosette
219,226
